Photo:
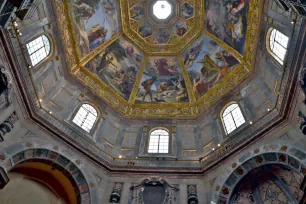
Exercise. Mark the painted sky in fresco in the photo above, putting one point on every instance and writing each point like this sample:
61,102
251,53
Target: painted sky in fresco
162,82
227,20
94,21
206,63
117,66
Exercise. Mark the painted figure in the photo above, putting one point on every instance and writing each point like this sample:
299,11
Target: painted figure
84,10
162,67
162,81
207,63
147,88
137,12
109,7
227,20
180,29
117,66
186,10
145,30
203,84
162,36
94,22
190,57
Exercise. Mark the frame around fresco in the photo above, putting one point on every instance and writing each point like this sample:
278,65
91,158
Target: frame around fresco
128,109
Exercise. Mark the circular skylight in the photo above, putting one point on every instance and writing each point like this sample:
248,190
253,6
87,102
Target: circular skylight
162,10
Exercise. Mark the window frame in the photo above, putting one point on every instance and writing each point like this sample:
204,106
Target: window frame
223,122
158,150
269,48
50,40
93,124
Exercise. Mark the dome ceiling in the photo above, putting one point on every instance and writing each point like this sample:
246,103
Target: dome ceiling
159,58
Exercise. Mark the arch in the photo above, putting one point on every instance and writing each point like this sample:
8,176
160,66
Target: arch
277,182
159,139
86,117
286,155
39,183
232,117
277,44
39,49
9,159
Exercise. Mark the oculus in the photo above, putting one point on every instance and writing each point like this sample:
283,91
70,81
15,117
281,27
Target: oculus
162,10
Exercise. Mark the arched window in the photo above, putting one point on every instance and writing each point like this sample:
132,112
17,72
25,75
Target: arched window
278,43
232,118
159,141
39,49
86,117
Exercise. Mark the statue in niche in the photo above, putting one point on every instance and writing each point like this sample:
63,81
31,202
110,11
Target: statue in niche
5,84
192,194
302,80
154,190
116,194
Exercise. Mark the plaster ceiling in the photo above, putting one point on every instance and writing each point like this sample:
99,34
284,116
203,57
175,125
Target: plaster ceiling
143,66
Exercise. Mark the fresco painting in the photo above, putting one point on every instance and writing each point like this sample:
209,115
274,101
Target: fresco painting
162,36
179,28
162,82
227,20
117,66
187,11
137,12
94,22
272,183
206,63
145,29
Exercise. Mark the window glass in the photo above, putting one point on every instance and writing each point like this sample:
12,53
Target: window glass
86,117
39,49
278,44
159,141
232,118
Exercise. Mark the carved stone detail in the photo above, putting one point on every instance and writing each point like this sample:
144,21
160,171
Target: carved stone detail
8,125
4,179
302,79
116,194
5,84
192,194
170,190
